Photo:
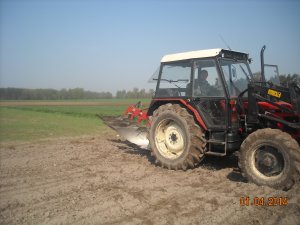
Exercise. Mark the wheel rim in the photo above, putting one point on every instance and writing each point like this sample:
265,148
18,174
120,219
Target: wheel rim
169,139
268,162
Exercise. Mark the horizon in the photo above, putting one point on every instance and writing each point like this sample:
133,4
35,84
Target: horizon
12,93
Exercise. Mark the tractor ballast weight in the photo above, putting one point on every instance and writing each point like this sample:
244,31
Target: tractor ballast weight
208,103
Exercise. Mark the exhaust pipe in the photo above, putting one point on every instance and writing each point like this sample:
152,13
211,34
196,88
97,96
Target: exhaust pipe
262,63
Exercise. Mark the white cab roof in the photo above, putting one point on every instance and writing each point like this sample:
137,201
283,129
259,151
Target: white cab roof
191,55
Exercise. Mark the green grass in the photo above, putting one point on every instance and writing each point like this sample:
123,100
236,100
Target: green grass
114,100
20,125
29,123
75,111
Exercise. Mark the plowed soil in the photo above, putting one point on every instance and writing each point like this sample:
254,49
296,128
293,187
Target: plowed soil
105,180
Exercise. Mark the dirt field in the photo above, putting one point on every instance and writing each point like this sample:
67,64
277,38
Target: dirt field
102,180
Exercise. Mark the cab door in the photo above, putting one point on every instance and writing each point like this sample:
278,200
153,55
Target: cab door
209,95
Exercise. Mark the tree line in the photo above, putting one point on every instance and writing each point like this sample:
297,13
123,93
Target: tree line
290,78
283,79
135,93
65,94
80,93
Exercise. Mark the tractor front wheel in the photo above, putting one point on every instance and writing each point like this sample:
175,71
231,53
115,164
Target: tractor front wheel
176,141
270,157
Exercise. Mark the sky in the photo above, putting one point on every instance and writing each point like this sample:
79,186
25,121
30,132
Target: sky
110,45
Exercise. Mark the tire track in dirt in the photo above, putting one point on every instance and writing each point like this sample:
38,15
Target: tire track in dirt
102,180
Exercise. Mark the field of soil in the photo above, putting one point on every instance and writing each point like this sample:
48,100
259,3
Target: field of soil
103,180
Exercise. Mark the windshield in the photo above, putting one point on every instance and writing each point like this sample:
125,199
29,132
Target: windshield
237,75
154,77
174,79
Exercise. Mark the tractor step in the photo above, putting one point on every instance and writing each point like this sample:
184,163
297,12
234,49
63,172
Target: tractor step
217,142
215,153
217,146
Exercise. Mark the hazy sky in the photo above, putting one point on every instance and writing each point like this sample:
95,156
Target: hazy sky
112,45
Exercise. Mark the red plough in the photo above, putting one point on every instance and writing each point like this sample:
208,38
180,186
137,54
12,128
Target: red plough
131,125
136,112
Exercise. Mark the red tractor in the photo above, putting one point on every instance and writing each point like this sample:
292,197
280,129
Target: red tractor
208,103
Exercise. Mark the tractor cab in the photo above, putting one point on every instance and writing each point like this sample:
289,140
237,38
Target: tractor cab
205,73
210,81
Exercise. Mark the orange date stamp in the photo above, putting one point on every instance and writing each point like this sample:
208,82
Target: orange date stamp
263,201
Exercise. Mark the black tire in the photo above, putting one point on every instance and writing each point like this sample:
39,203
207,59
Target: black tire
176,141
270,157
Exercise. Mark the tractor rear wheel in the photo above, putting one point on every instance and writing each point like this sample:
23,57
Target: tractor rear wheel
270,157
176,141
